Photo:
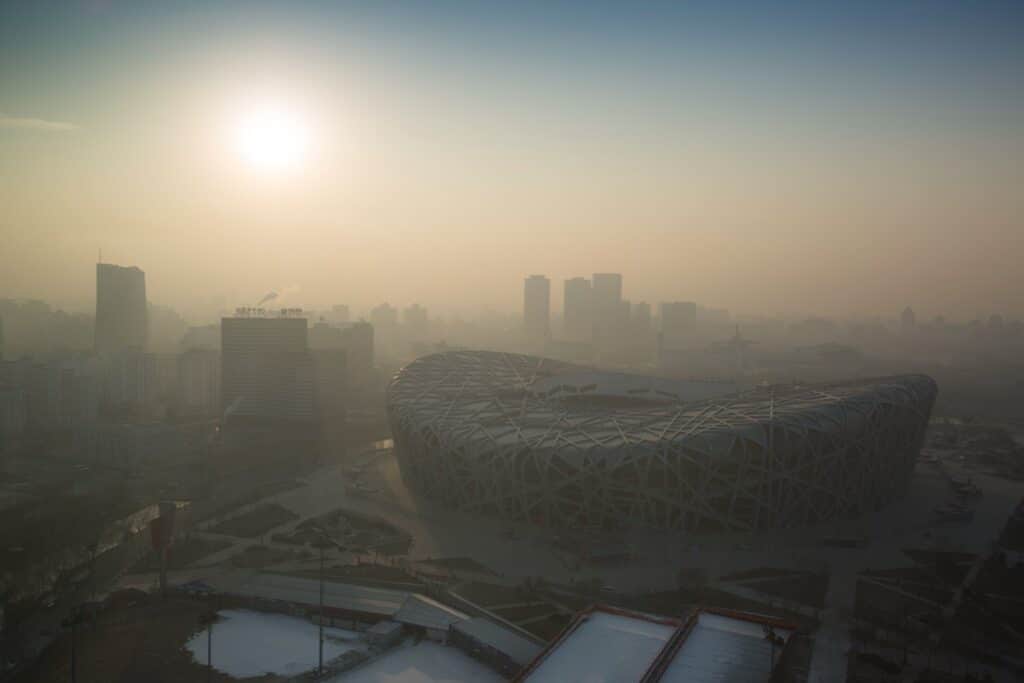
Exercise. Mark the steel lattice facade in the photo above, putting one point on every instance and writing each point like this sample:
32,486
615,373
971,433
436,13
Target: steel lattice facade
529,438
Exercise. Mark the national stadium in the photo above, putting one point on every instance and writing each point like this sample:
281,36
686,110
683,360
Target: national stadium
562,445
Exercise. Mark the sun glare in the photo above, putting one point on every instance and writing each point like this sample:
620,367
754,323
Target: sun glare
272,138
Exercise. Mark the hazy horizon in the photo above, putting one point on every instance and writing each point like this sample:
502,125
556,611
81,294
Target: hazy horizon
789,158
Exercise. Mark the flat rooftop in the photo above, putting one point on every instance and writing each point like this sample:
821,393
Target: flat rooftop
605,645
519,649
715,647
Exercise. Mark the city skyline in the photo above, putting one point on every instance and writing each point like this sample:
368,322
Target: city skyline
271,303
732,154
478,341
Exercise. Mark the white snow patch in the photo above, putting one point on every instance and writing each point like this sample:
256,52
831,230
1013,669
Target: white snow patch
247,643
426,662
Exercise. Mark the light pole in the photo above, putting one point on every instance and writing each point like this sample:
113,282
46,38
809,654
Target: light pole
320,621
206,619
71,622
323,541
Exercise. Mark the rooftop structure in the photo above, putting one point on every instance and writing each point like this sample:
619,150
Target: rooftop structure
722,646
605,644
489,634
514,436
419,610
501,648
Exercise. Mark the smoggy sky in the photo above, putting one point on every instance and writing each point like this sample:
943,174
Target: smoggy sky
765,157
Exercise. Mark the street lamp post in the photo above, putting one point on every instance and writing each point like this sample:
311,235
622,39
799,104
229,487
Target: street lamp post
72,622
206,619
323,541
320,643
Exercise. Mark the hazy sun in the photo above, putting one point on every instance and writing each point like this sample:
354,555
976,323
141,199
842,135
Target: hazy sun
272,138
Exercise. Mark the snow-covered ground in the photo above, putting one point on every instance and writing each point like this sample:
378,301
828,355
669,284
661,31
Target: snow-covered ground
247,643
426,662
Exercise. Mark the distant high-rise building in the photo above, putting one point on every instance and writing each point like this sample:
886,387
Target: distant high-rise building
161,384
201,337
610,316
415,320
641,317
266,368
908,318
355,340
607,290
57,393
339,313
384,317
199,377
678,324
331,380
121,320
537,307
123,381
577,311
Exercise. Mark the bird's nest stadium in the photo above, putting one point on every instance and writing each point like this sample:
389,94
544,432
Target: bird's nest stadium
528,438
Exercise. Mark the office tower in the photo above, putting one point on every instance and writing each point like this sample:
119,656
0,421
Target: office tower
577,313
124,381
330,371
161,379
339,313
384,318
607,291
266,368
201,337
121,320
610,317
355,340
641,317
57,393
537,307
415,320
908,319
678,324
199,381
